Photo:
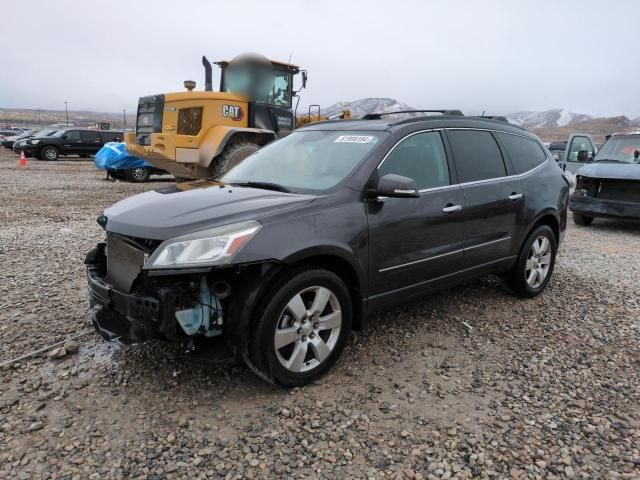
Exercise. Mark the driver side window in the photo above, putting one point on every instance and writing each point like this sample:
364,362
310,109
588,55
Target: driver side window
577,144
420,157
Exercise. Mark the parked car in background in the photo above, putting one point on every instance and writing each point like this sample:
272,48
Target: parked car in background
289,251
8,141
610,186
23,145
71,141
114,158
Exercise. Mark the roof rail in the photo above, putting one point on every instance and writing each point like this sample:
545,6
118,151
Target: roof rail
500,118
376,116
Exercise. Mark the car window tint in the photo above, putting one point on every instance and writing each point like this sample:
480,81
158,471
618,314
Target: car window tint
420,157
477,155
72,135
524,154
90,136
577,144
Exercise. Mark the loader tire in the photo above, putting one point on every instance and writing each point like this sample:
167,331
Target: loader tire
232,155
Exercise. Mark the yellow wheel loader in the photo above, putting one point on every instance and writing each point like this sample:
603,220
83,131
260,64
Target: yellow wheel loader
201,134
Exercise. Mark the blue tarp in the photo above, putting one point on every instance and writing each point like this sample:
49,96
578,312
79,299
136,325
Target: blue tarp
114,156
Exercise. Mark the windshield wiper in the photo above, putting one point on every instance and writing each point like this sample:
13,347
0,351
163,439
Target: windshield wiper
609,160
264,185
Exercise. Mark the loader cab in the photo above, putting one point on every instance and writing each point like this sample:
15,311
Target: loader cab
270,88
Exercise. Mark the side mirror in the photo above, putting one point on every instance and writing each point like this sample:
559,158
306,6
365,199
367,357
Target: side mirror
583,156
304,79
397,186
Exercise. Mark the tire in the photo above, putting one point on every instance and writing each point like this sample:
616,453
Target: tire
308,346
582,220
49,153
138,174
232,155
535,263
179,179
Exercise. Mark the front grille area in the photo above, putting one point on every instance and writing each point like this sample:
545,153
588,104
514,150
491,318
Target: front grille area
149,119
620,190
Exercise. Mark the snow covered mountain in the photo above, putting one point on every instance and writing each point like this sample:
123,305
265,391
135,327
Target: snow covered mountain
366,105
557,117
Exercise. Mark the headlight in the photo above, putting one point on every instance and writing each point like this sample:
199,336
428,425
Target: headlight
216,246
35,142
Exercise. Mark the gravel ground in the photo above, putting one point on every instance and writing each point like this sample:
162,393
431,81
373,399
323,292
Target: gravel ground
541,388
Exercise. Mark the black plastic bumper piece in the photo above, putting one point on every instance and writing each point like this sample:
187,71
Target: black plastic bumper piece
129,318
595,207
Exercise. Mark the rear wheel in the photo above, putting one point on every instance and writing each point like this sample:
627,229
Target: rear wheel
302,329
232,155
138,174
49,153
583,220
535,264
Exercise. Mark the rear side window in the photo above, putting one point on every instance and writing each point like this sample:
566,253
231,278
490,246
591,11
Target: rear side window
420,157
476,154
89,136
525,154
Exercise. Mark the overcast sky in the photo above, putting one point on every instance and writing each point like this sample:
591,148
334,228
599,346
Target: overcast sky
499,55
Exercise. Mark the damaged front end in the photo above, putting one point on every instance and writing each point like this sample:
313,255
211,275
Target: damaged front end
131,303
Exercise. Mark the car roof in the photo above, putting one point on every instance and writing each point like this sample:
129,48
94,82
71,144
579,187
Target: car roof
426,122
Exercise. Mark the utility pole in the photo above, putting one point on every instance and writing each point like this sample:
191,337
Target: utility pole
39,118
66,112
124,117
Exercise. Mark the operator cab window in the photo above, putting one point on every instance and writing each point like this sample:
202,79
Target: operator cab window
420,157
279,95
477,155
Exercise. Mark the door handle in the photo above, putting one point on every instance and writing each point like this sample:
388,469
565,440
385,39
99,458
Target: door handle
452,208
515,196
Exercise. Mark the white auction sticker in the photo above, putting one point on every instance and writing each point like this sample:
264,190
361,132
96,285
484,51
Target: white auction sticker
353,139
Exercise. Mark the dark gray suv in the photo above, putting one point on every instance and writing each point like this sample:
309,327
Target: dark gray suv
289,251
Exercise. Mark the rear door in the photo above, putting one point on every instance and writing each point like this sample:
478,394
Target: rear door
414,240
494,201
576,143
91,141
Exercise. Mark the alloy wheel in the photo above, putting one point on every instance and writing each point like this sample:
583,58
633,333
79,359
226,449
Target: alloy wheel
50,154
538,262
139,173
308,329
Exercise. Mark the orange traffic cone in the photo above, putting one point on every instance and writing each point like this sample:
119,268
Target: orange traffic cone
23,160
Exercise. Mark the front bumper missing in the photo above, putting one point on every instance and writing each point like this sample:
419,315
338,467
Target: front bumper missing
126,317
595,207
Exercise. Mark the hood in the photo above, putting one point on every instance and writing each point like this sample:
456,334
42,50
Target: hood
616,171
182,209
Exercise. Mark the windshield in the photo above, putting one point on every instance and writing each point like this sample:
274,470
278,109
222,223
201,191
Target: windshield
620,149
311,161
45,133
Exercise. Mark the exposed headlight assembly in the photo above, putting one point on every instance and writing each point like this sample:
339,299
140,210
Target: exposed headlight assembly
215,246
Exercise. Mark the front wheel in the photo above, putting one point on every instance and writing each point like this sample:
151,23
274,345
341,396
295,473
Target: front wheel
232,155
138,174
582,220
302,329
535,263
49,153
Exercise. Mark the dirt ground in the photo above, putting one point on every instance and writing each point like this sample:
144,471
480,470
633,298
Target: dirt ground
541,388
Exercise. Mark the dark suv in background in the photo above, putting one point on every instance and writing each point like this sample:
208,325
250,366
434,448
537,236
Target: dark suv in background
72,141
290,250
